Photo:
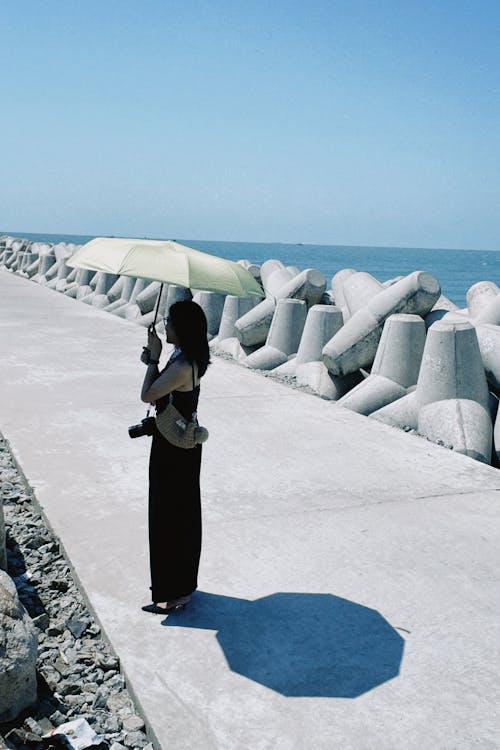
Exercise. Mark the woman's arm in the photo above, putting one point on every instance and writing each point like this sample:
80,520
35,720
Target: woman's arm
151,375
178,375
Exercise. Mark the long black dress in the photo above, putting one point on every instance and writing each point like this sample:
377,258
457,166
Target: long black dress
174,508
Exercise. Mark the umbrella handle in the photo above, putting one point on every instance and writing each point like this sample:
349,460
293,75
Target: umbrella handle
158,304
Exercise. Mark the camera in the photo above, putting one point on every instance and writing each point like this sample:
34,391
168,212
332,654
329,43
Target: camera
146,427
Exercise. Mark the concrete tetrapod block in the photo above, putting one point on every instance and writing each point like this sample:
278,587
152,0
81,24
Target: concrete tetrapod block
284,335
232,347
452,392
18,655
287,325
480,295
130,312
439,310
287,369
254,268
177,293
72,275
458,423
42,248
59,277
128,307
402,413
124,292
20,261
372,394
234,308
12,259
62,277
490,313
358,289
395,368
253,327
147,319
265,358
327,298
273,275
46,261
82,292
7,255
83,278
34,267
390,282
147,299
355,345
112,306
28,261
317,377
322,323
63,250
488,337
493,407
212,305
337,285
101,283
114,293
399,353
308,285
452,366
53,271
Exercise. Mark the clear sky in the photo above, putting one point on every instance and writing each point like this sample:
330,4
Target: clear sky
364,123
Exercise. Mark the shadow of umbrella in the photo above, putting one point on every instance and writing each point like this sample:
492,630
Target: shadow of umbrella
308,645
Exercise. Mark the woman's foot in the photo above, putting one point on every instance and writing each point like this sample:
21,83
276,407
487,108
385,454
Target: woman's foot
163,608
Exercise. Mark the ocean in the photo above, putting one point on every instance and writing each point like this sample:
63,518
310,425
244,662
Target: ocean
456,270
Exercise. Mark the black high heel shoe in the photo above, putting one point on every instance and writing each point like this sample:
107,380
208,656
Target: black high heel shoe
155,609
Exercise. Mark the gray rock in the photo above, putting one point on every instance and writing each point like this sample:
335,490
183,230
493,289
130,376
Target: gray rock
135,739
3,550
118,701
77,627
18,653
113,724
41,621
133,723
57,718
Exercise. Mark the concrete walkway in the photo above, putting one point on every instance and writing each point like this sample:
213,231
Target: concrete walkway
349,592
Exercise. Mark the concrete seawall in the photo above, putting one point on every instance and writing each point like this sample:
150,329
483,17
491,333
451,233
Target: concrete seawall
348,583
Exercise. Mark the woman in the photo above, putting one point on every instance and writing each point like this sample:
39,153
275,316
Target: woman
174,473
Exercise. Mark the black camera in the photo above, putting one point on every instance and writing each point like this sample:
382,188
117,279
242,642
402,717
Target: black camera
146,427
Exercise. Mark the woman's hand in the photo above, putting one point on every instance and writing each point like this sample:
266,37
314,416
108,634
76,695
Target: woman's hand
145,355
154,343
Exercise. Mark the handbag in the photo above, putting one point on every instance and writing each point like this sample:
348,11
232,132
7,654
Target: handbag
181,432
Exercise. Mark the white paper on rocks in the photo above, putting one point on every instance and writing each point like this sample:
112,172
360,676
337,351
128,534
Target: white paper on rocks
78,732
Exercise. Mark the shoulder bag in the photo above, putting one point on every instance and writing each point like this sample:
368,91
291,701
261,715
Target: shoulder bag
181,432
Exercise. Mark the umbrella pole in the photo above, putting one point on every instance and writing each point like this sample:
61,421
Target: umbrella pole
158,304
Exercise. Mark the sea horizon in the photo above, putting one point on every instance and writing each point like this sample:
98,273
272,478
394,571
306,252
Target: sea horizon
55,236
456,269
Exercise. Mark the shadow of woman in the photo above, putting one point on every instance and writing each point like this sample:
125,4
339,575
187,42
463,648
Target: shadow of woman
308,645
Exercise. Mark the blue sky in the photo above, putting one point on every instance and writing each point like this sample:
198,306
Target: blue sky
364,123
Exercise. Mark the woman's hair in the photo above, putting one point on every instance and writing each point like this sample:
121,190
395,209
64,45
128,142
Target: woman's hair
190,324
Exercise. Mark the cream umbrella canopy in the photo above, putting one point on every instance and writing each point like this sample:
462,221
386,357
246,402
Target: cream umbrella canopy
166,261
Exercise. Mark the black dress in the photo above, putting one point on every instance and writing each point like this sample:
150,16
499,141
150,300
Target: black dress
174,508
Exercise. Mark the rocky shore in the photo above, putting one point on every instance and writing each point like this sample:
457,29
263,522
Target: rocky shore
78,675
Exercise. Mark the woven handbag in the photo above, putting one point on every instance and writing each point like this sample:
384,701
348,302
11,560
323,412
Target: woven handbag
181,432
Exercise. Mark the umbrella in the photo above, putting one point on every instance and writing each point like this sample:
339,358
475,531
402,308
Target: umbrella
166,261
